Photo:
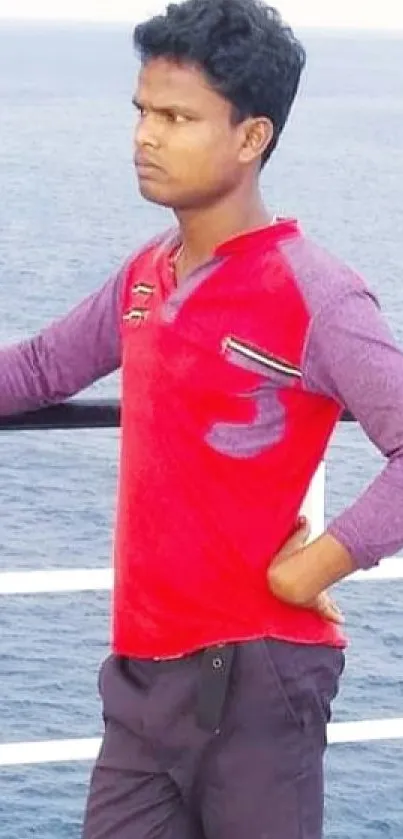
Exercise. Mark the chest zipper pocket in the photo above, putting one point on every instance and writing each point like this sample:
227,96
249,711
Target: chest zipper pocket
252,358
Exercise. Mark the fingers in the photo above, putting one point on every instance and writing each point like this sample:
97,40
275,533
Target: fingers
298,539
328,609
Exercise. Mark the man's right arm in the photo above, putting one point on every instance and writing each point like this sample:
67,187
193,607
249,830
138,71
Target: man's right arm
67,356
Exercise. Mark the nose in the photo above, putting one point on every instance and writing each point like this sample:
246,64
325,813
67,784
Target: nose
146,133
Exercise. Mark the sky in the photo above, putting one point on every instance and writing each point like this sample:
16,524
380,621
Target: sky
361,14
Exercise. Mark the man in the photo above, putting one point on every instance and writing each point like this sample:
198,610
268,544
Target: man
241,342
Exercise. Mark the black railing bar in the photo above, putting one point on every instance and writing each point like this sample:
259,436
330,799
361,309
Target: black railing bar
77,413
99,413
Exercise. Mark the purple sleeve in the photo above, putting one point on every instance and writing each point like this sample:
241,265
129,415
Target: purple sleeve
352,357
67,356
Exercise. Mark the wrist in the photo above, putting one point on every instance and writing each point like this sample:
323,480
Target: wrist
302,576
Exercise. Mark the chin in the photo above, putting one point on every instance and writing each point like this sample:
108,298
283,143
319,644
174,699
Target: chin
174,200
151,193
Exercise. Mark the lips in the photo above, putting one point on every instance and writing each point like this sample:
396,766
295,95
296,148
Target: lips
143,163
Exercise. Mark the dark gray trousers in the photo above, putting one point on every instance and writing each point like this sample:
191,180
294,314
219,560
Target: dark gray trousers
163,774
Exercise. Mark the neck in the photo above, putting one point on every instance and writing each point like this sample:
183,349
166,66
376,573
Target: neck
204,229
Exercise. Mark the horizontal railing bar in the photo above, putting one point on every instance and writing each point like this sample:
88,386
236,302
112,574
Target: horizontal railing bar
100,413
58,751
54,580
365,731
100,579
48,751
76,413
388,569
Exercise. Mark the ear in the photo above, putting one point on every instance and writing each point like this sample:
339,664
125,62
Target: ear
258,133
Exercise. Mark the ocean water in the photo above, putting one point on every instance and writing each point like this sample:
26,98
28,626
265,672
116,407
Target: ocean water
69,214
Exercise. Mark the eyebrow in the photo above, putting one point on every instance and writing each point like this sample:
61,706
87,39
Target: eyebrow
169,108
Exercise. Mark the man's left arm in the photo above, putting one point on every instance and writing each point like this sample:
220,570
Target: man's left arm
352,357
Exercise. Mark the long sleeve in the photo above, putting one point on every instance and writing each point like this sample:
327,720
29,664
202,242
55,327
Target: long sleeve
67,356
352,357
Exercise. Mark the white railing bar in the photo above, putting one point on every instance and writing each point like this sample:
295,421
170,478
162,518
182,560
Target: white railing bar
388,569
48,751
100,579
365,731
58,751
53,580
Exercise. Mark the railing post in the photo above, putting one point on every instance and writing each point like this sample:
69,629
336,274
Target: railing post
314,505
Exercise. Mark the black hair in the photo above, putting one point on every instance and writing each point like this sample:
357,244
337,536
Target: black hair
246,51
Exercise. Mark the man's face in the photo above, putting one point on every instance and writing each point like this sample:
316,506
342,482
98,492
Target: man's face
186,149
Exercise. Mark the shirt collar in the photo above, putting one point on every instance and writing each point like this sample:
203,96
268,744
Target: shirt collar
263,237
282,228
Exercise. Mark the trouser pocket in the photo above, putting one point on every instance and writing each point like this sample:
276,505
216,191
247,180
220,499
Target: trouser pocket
306,678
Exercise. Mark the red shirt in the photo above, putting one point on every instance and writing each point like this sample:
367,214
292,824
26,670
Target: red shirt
220,440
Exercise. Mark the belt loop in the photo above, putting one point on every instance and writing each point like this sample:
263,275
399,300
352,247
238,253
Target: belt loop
214,680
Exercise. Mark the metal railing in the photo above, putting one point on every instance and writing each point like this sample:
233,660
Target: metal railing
78,413
106,414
